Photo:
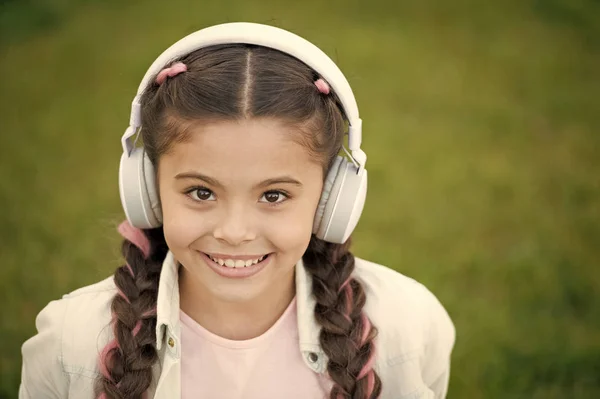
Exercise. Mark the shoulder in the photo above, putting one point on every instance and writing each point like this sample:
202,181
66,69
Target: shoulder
71,332
415,333
397,301
413,326
86,326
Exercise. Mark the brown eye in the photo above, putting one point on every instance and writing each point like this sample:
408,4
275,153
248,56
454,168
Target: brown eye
201,194
272,196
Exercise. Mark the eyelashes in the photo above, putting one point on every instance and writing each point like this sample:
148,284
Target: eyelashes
203,194
199,197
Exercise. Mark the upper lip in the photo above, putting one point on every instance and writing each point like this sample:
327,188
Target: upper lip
234,257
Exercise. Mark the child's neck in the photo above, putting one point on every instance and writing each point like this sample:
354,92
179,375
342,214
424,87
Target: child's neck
235,320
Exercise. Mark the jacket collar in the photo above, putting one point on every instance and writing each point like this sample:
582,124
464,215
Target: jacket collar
167,303
308,327
167,307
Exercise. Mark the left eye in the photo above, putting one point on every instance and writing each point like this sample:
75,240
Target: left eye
274,197
201,194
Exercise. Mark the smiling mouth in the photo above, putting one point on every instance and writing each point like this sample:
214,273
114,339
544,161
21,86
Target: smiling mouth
237,264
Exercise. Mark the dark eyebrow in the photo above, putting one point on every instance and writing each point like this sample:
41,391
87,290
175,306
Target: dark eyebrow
280,180
214,182
198,176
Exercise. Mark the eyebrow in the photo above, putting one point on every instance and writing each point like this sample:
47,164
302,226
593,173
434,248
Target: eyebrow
216,183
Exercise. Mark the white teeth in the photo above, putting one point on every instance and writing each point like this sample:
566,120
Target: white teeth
237,263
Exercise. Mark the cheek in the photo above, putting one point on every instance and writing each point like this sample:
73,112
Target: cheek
294,229
289,233
179,225
178,234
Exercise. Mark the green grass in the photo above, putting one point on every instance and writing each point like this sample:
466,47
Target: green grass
481,124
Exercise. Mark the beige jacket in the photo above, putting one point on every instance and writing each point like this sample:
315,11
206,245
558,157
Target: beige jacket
414,344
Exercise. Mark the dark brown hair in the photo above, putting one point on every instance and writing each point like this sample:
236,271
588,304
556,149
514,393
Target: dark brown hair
228,82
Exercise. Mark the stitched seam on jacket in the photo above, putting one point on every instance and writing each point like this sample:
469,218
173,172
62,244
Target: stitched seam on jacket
404,357
85,292
82,371
414,394
26,390
62,339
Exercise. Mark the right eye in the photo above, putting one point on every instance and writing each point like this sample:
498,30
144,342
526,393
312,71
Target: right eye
200,194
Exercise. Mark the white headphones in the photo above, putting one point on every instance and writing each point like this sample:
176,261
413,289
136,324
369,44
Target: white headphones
345,188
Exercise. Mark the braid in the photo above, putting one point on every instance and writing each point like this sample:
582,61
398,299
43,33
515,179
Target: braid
126,361
347,334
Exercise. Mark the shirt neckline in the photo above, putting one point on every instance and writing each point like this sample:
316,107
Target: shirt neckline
199,330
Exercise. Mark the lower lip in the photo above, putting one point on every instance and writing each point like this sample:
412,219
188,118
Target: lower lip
236,272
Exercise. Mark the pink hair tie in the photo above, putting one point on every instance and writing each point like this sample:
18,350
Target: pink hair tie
136,237
170,72
322,86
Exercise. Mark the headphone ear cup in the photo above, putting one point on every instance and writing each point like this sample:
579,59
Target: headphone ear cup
138,192
344,202
325,194
153,199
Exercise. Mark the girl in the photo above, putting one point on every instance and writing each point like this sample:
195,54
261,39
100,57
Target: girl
238,280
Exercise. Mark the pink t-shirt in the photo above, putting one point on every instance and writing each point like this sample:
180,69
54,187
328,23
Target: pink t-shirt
265,367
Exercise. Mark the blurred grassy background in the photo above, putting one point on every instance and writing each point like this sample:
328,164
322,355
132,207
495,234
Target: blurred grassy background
481,123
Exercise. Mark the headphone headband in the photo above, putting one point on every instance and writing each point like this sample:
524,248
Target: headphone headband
267,36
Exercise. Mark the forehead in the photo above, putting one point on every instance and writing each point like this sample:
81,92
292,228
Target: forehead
249,148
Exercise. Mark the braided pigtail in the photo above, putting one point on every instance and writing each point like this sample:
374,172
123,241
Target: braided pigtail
347,335
126,361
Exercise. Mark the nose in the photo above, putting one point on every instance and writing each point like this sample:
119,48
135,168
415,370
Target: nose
235,226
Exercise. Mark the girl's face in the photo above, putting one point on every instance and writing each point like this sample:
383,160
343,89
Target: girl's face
239,189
